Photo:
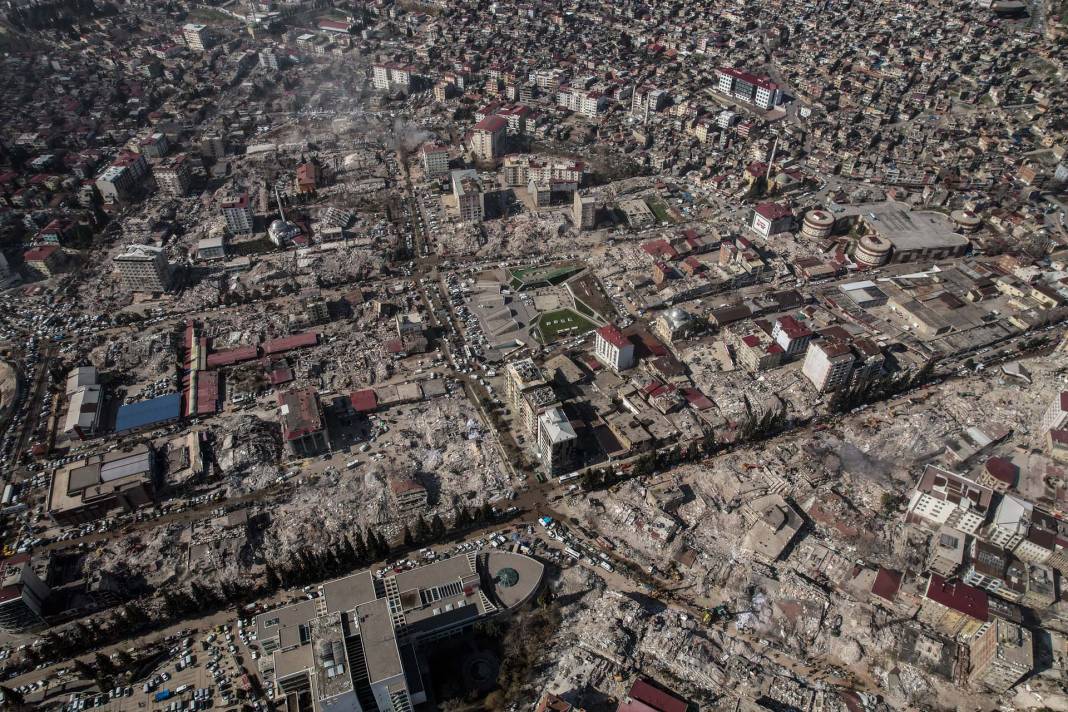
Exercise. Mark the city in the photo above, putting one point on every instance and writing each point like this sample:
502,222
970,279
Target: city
559,356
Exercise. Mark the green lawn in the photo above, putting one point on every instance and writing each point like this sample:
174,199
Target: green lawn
551,274
562,322
659,210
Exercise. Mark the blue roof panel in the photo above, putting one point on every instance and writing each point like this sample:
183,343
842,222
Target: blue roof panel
146,413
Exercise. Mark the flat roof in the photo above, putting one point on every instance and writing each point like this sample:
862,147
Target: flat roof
379,641
147,413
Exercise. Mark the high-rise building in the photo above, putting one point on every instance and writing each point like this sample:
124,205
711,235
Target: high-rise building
828,364
360,646
303,422
237,210
1056,415
174,175
116,183
761,92
22,595
1000,654
435,160
584,211
487,138
557,441
213,146
523,375
470,199
613,349
197,37
144,268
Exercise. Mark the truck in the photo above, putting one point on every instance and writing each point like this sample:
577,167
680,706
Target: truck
162,695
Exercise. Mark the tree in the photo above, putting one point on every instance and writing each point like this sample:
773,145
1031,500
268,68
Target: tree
462,518
10,699
125,662
409,541
437,528
422,530
84,670
360,548
273,581
487,512
104,666
348,551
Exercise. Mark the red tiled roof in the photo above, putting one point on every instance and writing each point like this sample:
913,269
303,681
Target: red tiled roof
613,335
773,211
960,597
228,357
491,123
887,582
792,327
39,253
207,392
288,343
364,401
1002,470
696,399
644,697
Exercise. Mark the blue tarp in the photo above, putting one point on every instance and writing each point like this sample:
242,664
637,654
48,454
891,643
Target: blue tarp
147,413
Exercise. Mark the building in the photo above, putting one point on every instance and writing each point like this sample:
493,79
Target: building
392,76
791,335
613,349
947,551
771,219
943,498
213,146
557,441
94,487
84,401
470,200
584,211
828,364
237,211
144,268
151,413
116,183
522,376
435,160
761,92
953,609
906,236
46,259
359,645
211,248
758,351
487,138
307,179
22,595
675,324
303,422
999,655
174,175
1056,415
196,36
407,494
643,696
773,524
817,225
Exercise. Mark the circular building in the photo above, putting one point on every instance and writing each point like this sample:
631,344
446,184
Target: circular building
512,578
817,224
966,221
872,251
